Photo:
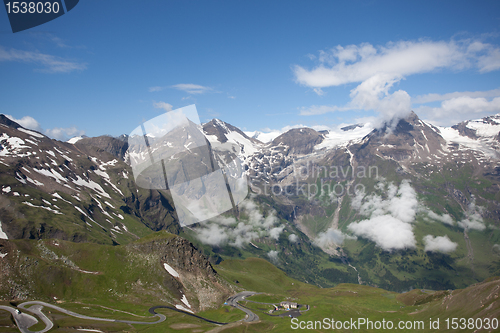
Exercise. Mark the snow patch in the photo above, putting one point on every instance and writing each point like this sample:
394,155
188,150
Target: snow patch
33,143
33,181
3,235
38,135
170,270
185,301
51,173
183,308
74,140
451,135
92,185
89,330
340,138
12,145
43,207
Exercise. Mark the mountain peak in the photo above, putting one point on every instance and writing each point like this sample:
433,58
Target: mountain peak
221,129
6,121
300,140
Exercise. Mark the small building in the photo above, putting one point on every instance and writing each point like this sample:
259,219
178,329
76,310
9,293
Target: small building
288,305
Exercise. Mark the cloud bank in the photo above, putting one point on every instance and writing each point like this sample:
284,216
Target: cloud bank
390,219
378,69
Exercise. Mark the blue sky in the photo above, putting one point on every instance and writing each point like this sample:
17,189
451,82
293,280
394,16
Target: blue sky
106,66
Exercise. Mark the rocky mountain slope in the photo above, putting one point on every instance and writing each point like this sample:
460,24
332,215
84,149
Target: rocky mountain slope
53,189
393,203
386,206
159,269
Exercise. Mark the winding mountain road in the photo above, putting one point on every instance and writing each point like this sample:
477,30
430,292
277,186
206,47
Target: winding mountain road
24,320
233,301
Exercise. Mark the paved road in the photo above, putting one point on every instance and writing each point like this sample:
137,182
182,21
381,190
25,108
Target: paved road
23,320
37,309
152,311
233,301
70,313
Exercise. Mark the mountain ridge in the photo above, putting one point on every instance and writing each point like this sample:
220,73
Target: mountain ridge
450,175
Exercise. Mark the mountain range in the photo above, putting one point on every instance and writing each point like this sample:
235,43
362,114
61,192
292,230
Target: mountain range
408,205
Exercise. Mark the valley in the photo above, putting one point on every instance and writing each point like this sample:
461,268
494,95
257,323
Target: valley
398,223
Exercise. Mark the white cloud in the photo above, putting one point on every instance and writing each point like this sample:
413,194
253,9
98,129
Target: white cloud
276,232
464,106
193,89
52,64
320,109
389,222
227,230
293,238
331,237
357,63
212,234
26,122
319,91
428,98
386,231
445,218
155,89
378,69
439,244
457,106
60,133
190,88
473,217
273,255
162,105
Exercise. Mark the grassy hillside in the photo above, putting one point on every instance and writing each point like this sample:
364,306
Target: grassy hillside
128,284
347,301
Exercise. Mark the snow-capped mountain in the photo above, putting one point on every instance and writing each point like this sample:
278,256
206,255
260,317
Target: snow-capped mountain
219,132
92,179
85,191
411,141
76,191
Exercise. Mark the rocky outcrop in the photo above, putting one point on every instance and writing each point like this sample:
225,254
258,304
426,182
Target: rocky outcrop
114,146
464,130
197,279
299,140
